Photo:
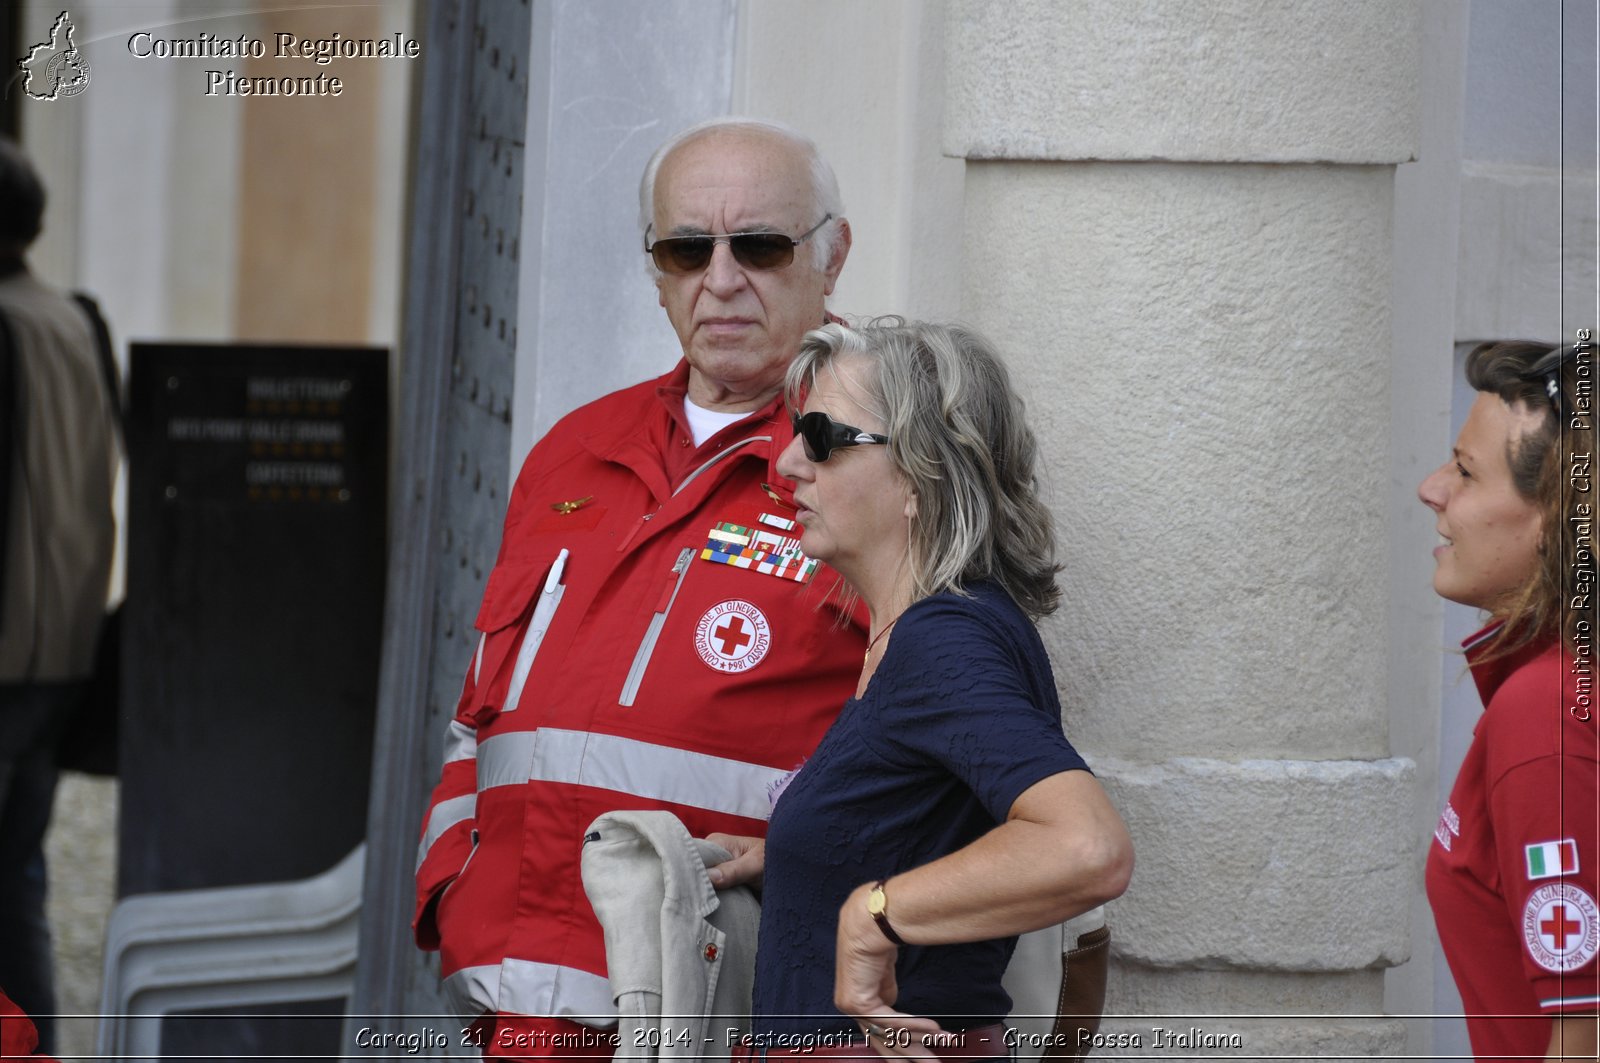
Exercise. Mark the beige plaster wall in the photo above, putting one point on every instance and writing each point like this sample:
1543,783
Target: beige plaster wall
1179,226
866,82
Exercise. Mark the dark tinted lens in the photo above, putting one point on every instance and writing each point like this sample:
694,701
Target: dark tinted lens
762,250
815,431
682,254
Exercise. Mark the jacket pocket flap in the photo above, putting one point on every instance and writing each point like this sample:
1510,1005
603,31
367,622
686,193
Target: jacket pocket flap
511,587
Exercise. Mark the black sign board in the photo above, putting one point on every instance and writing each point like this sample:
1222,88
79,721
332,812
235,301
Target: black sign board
257,498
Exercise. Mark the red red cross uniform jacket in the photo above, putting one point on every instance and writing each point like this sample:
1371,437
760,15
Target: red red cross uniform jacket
625,662
18,1037
1512,869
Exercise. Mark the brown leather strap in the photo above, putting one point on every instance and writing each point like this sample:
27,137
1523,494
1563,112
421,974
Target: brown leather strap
1083,996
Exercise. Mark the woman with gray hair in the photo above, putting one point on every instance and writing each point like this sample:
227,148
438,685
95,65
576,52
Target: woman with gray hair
944,812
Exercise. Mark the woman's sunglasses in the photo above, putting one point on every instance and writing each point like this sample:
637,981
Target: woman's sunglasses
822,435
1549,367
757,251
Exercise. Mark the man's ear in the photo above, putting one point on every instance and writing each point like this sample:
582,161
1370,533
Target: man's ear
841,248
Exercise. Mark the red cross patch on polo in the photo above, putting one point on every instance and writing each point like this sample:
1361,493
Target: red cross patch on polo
1560,927
732,636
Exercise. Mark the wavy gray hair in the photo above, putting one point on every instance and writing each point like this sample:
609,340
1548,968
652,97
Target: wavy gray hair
824,185
959,435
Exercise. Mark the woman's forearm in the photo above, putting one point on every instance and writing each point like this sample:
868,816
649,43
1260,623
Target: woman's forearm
1063,850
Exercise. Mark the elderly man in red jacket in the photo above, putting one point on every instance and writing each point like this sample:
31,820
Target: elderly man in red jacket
651,635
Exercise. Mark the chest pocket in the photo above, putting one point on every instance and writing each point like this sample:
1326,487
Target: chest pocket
519,604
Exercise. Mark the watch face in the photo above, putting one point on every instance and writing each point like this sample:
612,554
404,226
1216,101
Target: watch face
876,901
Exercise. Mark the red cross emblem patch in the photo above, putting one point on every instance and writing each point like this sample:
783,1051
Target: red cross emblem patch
733,636
1560,927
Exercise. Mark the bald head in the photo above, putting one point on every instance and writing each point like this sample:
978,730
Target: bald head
739,317
823,185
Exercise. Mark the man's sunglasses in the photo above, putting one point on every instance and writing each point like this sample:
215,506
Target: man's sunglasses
823,435
757,251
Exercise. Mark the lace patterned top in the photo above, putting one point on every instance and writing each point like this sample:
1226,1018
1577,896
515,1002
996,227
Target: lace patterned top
960,718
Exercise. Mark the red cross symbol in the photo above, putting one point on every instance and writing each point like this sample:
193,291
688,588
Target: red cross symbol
1558,926
732,635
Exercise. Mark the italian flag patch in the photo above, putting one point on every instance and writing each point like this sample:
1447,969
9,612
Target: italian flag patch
1549,859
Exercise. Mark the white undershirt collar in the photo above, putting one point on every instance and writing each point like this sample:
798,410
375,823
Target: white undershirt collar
704,423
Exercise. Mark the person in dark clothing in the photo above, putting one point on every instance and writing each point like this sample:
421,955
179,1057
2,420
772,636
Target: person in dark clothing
944,812
57,466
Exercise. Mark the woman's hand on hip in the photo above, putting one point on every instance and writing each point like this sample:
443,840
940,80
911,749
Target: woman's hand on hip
864,986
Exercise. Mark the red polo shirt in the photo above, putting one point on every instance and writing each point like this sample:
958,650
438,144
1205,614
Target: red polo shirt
1511,873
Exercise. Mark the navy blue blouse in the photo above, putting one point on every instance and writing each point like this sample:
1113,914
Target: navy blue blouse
959,719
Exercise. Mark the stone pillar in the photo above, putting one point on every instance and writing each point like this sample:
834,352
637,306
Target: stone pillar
1178,228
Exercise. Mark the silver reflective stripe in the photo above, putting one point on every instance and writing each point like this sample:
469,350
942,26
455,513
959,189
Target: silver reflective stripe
503,760
472,991
460,742
641,658
445,814
523,987
647,647
549,598
661,773
529,988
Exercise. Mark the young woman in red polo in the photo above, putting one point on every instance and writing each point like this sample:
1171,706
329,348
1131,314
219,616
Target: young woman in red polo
1511,872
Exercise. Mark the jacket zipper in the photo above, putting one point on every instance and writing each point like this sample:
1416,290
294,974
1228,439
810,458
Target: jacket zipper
687,480
644,521
543,613
641,659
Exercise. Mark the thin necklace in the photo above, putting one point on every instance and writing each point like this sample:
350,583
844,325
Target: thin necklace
868,655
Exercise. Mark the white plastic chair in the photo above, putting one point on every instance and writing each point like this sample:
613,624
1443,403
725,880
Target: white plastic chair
234,946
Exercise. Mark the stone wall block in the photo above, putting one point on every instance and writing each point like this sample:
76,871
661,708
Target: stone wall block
1273,865
1204,354
1239,81
1545,222
1135,989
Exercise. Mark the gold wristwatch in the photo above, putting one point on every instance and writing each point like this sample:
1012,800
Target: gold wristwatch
878,908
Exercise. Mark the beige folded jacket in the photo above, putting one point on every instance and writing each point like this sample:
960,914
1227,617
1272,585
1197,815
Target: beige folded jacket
680,954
